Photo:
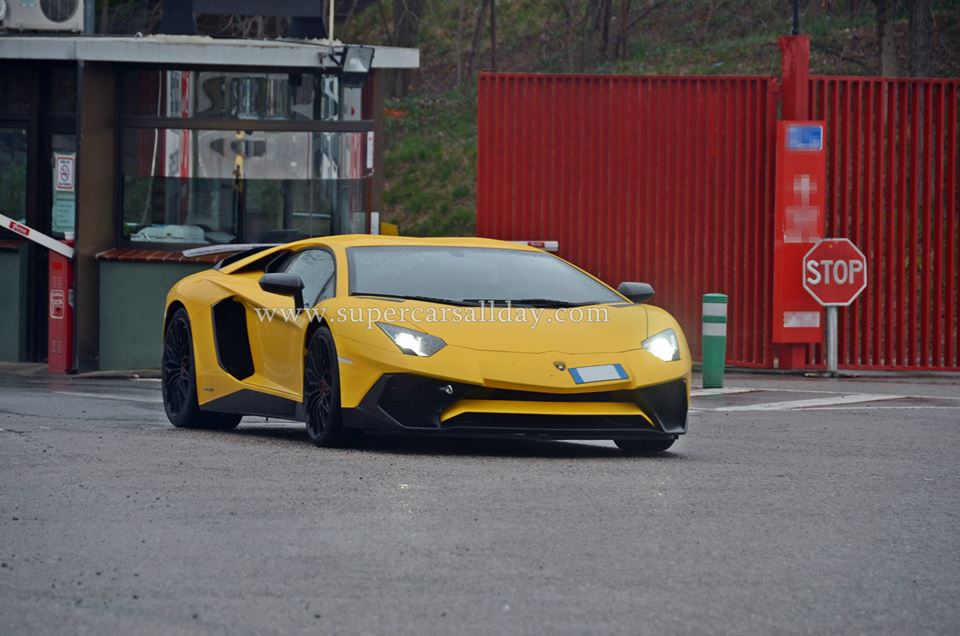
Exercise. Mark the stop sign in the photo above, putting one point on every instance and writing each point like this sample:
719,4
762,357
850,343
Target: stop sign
835,272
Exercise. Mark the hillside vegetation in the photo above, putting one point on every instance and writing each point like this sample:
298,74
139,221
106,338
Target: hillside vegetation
431,132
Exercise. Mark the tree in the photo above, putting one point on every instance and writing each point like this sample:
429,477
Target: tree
458,44
921,33
493,35
477,32
620,45
406,26
887,48
601,24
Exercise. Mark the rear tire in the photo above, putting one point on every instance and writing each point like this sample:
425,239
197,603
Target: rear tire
643,446
179,380
321,390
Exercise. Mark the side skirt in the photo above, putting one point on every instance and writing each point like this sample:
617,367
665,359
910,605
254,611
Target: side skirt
250,402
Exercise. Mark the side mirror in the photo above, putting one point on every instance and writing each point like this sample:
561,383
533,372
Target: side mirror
637,292
285,285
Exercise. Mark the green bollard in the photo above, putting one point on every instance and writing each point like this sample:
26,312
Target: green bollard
714,339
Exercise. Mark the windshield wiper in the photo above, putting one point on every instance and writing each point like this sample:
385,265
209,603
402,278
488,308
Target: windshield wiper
528,302
426,299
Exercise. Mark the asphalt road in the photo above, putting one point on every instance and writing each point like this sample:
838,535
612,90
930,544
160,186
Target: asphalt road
811,506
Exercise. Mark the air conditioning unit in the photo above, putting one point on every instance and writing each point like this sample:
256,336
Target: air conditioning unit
41,15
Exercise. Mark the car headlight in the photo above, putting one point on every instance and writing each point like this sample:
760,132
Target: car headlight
664,345
411,341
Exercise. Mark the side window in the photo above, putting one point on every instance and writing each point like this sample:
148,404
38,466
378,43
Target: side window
280,262
317,270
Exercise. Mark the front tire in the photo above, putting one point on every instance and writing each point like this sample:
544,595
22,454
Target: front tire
644,446
179,380
321,390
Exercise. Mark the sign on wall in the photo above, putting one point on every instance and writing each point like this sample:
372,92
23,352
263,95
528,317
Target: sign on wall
63,209
64,168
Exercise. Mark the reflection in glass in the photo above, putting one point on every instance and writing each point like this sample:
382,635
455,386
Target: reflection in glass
13,173
220,94
215,186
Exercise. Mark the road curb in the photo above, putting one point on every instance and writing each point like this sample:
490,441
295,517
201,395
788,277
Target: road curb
39,370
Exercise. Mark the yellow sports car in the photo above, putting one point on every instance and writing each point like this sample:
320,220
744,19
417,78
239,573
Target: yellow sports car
443,336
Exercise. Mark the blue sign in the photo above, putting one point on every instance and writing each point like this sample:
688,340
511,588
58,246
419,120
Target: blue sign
805,137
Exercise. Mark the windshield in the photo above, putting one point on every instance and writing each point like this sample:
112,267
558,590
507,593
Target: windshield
472,275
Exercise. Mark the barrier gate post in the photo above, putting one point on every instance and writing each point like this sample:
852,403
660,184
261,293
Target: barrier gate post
60,314
61,296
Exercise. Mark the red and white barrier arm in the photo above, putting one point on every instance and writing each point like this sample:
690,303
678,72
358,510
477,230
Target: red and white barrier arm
37,237
546,246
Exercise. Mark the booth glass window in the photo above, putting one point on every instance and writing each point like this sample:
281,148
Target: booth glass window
239,95
15,86
224,186
296,165
13,173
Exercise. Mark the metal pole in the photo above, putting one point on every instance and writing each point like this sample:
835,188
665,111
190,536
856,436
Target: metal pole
89,17
796,18
832,339
331,6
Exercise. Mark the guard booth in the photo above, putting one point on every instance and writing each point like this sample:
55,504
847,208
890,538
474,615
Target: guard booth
137,148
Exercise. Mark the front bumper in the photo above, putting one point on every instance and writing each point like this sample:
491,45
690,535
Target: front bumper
416,404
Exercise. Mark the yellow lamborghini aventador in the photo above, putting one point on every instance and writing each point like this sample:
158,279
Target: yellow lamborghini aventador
455,336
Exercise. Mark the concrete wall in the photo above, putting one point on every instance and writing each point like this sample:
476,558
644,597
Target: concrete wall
13,305
131,311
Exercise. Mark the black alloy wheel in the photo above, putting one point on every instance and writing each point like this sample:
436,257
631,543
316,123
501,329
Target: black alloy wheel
178,380
321,390
176,367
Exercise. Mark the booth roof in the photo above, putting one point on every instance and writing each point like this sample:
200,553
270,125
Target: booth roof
192,50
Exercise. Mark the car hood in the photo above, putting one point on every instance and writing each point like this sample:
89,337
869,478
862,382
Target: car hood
593,329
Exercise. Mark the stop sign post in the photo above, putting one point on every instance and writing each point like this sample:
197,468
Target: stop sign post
834,273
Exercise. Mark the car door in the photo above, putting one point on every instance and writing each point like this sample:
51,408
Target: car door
280,340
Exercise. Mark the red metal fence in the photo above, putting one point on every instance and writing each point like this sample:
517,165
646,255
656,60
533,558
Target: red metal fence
662,179
892,181
671,180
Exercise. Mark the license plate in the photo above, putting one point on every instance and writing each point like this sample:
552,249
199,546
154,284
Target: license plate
598,373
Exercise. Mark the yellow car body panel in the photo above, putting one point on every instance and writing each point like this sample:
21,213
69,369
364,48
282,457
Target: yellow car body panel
515,356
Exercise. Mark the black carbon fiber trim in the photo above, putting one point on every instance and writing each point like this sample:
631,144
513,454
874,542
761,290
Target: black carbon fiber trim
409,401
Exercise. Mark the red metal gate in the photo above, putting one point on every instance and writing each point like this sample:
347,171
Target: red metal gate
892,180
668,180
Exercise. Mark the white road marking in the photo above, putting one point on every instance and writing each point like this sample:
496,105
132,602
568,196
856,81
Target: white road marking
603,443
107,396
784,390
790,405
812,391
261,422
729,391
884,408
